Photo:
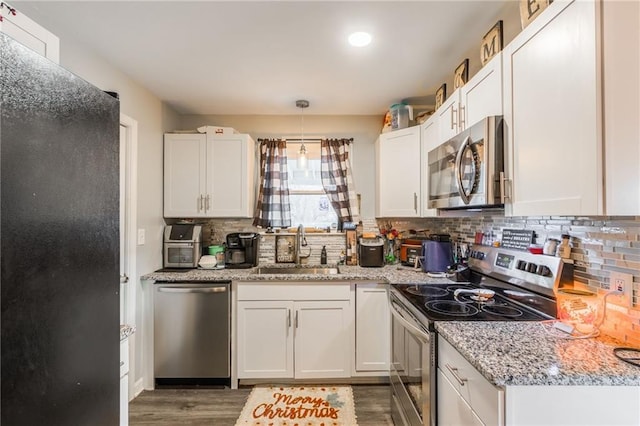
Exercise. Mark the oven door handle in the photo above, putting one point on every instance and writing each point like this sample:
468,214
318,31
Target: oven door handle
423,335
457,170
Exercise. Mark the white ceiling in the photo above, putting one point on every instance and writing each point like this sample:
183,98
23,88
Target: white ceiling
241,57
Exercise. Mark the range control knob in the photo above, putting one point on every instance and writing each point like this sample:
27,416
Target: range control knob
521,265
543,270
532,267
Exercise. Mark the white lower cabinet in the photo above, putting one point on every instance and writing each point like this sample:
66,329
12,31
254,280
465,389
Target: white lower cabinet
124,382
453,410
294,331
465,397
372,330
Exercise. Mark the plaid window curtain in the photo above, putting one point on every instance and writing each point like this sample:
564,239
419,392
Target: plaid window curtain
272,207
336,178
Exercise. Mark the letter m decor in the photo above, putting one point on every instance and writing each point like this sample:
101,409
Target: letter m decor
491,43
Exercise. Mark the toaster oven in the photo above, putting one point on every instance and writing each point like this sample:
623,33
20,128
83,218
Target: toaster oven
182,246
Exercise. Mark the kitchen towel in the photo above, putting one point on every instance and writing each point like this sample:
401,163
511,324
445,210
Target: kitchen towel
299,405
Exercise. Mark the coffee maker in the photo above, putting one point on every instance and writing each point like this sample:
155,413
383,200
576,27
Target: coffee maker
242,250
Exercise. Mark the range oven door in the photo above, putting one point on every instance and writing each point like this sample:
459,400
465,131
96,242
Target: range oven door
412,370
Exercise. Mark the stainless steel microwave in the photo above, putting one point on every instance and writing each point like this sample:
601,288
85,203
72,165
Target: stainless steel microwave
467,171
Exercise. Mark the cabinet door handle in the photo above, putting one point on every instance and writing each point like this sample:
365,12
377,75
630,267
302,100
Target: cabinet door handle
461,118
415,202
454,112
503,188
200,202
206,204
288,318
454,372
296,320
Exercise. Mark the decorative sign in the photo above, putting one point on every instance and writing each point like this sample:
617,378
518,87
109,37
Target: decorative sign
518,239
530,9
461,74
491,43
441,95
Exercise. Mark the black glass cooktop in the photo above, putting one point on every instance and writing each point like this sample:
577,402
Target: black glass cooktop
439,302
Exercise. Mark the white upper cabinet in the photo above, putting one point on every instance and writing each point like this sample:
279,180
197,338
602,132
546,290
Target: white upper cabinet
480,97
398,185
185,174
571,111
32,35
208,176
621,71
429,140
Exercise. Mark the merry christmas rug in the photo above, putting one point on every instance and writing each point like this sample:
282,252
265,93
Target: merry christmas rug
299,406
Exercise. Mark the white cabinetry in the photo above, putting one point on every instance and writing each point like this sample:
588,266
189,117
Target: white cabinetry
124,382
372,330
294,330
208,176
398,186
30,34
551,111
621,56
465,397
480,97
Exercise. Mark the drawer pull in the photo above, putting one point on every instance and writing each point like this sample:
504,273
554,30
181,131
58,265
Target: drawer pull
454,372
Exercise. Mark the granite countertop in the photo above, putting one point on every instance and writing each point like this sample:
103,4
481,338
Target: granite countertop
126,331
524,353
396,274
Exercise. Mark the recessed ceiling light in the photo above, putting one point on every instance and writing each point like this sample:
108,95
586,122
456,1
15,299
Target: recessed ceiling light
359,39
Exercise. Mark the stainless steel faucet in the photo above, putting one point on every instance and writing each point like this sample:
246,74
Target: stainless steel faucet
301,241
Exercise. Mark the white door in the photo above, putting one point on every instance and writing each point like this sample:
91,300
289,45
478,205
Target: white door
128,224
265,339
482,96
185,168
322,339
398,177
553,123
227,181
373,328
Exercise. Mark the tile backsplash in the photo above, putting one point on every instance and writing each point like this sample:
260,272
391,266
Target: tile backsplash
600,245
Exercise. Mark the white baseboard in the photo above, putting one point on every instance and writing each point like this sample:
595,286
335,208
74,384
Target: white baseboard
138,387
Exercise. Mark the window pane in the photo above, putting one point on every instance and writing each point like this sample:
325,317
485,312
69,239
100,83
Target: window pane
310,206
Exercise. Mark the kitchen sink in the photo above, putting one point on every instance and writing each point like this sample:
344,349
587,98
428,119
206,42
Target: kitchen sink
297,270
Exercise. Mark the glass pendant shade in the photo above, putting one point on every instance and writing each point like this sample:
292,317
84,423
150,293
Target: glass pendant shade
302,158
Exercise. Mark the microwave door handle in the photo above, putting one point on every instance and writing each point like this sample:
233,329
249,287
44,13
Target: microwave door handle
458,170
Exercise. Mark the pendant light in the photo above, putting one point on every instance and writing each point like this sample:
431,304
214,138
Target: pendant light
302,161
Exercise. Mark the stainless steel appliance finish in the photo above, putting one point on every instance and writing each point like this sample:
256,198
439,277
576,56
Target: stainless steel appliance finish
505,285
191,330
468,169
412,375
182,246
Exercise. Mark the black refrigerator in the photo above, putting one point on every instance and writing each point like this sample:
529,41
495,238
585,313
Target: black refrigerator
59,245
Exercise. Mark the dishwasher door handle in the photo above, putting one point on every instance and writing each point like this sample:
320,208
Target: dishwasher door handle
221,289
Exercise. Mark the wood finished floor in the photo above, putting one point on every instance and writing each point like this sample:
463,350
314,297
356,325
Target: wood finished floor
221,407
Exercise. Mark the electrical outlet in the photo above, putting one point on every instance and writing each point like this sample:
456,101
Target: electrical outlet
619,281
141,237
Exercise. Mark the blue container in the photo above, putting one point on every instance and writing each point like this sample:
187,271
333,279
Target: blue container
438,256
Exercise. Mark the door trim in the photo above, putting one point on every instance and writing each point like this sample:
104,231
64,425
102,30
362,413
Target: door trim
131,165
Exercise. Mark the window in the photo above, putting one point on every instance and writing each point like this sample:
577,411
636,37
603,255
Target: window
310,205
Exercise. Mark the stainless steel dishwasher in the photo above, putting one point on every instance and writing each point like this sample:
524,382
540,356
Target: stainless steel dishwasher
191,333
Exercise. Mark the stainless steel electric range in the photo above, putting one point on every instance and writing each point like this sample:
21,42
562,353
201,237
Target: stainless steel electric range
503,285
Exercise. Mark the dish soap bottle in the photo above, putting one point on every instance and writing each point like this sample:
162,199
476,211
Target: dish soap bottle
323,256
